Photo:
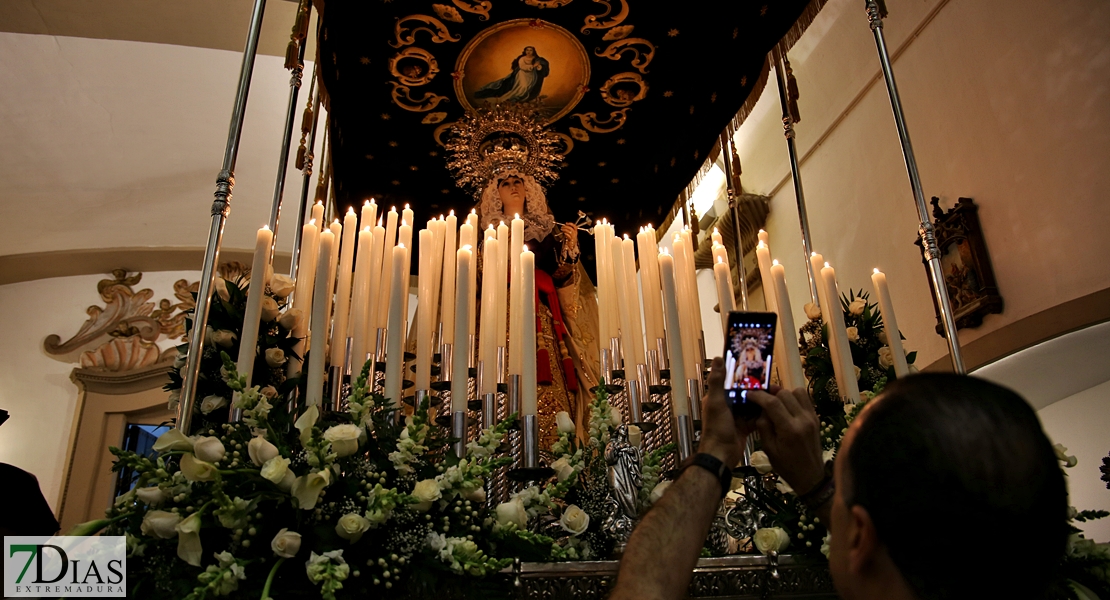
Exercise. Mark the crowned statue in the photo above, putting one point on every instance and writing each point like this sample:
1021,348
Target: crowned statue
503,154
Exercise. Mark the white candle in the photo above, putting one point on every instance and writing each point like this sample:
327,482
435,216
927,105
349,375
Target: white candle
850,391
890,324
343,290
438,230
374,284
791,372
302,295
320,316
692,283
717,239
502,309
816,262
763,258
632,299
725,300
601,251
447,288
248,342
459,376
616,257
763,237
336,230
680,402
649,278
423,376
516,242
318,213
404,238
369,214
687,307
468,237
394,357
357,329
528,404
387,252
487,340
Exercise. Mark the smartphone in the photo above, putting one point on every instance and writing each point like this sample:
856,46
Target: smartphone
749,346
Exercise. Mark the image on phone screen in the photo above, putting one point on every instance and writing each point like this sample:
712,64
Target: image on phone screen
749,349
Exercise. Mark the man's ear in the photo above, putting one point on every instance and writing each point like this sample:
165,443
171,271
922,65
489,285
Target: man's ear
863,541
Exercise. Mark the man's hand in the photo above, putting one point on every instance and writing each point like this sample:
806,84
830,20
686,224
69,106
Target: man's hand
790,433
721,434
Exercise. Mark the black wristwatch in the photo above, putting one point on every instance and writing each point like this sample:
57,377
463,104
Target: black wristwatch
714,465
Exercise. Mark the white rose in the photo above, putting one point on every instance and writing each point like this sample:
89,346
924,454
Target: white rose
209,449
173,440
343,438
153,496
427,492
564,422
221,288
858,372
261,450
269,392
275,357
306,489
635,435
658,491
512,512
224,338
563,469
196,470
282,285
270,310
857,306
813,311
477,494
291,318
886,359
276,469
160,524
760,461
351,526
211,403
574,520
771,539
616,418
853,334
286,543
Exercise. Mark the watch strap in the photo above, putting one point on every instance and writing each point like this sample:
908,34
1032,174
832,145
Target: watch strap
715,466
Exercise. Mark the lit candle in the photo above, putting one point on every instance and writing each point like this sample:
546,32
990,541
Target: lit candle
680,402
302,295
424,310
369,214
528,335
687,308
447,288
459,377
816,262
692,283
248,342
601,246
320,316
763,258
404,238
725,299
487,340
357,329
791,372
850,391
336,230
374,284
502,309
649,278
763,237
632,299
343,290
394,358
616,258
468,236
318,213
717,238
387,252
890,324
516,305
438,230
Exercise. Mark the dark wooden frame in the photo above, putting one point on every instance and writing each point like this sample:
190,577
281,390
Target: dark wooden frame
972,289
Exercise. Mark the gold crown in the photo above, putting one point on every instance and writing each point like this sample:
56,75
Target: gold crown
501,139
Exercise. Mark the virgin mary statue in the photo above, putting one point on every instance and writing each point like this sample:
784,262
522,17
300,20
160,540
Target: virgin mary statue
566,304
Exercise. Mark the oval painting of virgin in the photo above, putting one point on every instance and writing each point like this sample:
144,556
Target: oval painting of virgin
523,61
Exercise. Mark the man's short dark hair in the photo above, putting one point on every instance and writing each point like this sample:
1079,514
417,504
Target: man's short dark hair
963,487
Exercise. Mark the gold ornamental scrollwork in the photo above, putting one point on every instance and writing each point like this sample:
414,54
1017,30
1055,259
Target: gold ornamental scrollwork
604,21
401,97
567,142
404,67
623,89
480,7
447,13
547,3
437,135
591,123
642,51
407,35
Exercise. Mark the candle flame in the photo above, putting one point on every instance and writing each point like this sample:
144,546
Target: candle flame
366,203
317,203
525,246
474,211
401,245
715,230
452,213
351,210
336,222
379,221
312,221
877,271
762,231
406,206
491,226
626,236
516,216
761,244
774,262
827,266
466,247
366,229
812,254
664,251
720,260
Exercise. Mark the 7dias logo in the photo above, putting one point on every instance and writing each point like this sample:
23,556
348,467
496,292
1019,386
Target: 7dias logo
74,567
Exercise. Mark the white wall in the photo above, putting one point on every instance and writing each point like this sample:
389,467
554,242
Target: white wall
34,386
1007,103
1081,423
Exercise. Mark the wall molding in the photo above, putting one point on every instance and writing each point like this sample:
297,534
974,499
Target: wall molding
16,268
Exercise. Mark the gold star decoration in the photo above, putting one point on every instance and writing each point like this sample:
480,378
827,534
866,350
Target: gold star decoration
395,182
385,116
392,144
433,153
621,142
672,33
601,164
369,157
364,60
414,168
573,182
614,180
713,97
668,94
744,81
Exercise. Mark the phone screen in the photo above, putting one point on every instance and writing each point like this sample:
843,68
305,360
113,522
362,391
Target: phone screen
749,346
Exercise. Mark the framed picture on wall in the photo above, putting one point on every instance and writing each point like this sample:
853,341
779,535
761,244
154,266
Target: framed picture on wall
968,276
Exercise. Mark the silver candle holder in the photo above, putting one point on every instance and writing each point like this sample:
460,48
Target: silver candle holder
685,436
531,469
514,394
500,365
693,388
335,386
458,431
489,410
661,349
635,412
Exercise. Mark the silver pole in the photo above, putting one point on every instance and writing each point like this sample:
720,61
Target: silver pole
531,442
286,142
734,191
795,171
489,410
221,207
693,390
514,394
458,431
925,228
306,181
685,437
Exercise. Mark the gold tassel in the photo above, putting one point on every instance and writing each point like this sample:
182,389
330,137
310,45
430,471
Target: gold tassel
791,92
291,58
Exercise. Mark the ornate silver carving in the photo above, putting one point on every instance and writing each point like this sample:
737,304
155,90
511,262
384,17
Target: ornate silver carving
625,481
225,183
928,235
